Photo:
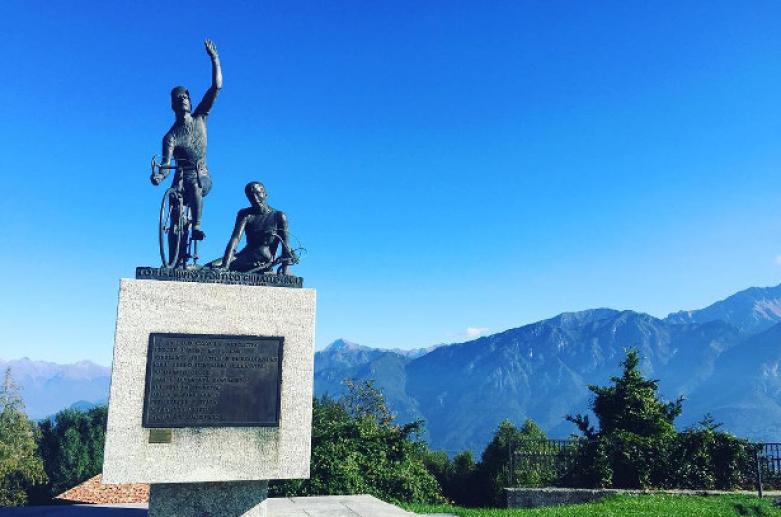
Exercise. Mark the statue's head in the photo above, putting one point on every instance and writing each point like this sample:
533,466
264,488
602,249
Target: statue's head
256,193
180,100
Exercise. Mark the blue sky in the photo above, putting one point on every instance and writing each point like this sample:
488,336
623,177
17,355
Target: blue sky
448,165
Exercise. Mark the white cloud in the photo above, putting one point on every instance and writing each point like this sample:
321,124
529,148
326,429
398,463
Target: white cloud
778,260
474,332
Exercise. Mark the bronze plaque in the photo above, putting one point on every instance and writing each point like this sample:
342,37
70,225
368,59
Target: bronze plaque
200,380
160,435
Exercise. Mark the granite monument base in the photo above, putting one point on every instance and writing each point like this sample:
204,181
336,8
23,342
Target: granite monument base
181,351
237,499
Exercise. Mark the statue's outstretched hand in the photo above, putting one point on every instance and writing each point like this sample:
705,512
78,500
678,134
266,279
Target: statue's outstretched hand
211,48
156,179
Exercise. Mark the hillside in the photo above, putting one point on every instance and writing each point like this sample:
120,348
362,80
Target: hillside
540,371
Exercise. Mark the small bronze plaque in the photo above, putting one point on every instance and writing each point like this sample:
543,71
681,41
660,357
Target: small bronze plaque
200,380
160,435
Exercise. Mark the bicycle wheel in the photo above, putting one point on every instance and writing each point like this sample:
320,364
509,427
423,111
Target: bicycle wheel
171,229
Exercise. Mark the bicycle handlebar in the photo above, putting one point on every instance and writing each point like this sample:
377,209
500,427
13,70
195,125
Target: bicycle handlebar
156,166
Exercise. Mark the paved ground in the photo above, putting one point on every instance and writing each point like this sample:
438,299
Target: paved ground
325,506
333,506
78,510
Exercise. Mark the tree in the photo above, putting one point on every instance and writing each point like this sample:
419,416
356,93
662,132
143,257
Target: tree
72,447
456,477
357,449
631,405
365,400
635,436
439,465
637,446
462,484
20,465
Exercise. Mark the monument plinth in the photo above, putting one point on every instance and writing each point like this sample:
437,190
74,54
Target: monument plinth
211,393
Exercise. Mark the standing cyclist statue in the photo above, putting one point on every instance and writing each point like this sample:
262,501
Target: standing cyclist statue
186,143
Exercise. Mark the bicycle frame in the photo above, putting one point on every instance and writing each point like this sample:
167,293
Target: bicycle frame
174,196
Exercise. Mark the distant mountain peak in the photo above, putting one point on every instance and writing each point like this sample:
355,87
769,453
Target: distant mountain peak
346,345
577,318
751,310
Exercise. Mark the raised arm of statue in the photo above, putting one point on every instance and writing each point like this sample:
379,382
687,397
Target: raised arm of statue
211,94
238,231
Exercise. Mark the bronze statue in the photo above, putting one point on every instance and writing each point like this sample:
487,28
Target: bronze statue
186,143
266,232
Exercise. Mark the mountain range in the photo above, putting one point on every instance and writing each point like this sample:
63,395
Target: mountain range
724,359
48,387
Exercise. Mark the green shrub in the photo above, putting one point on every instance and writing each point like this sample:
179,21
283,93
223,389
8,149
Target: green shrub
637,446
709,459
456,477
356,449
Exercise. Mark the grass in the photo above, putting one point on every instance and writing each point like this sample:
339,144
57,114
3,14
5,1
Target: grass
630,506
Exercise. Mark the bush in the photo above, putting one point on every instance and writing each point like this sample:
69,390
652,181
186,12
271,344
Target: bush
456,477
709,459
637,446
356,449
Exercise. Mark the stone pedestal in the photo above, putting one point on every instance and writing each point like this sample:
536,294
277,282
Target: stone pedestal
196,468
244,498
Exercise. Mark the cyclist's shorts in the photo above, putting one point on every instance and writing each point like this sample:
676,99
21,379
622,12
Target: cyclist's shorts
191,183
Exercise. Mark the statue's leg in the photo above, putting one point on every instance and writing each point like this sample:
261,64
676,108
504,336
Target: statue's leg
195,196
197,208
240,263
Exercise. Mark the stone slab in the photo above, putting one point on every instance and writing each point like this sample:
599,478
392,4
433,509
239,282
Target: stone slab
324,506
233,499
197,455
333,506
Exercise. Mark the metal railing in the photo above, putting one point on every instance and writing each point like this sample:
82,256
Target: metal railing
543,462
540,461
768,465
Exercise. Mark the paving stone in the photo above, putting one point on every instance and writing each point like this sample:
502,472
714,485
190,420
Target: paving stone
322,506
